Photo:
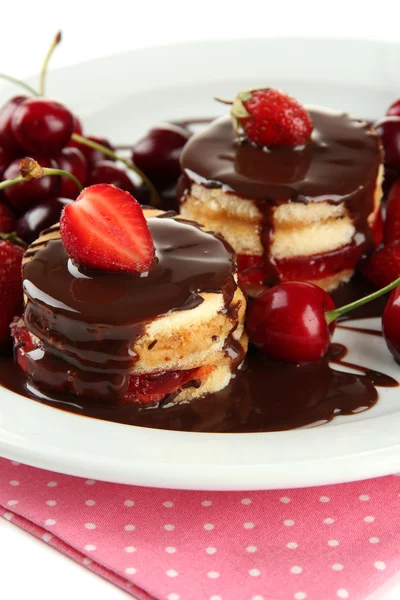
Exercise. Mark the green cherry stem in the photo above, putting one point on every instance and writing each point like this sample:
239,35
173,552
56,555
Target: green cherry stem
20,83
53,46
332,315
30,169
154,197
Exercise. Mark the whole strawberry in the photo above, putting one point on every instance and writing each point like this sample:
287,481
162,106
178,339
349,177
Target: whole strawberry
392,222
11,296
270,117
383,266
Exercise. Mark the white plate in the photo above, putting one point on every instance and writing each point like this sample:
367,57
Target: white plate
122,96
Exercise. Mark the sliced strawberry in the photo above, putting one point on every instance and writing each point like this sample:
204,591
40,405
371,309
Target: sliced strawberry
151,388
105,229
23,342
392,223
10,284
270,117
383,266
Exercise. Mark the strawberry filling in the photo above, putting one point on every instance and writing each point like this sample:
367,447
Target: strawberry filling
307,268
147,389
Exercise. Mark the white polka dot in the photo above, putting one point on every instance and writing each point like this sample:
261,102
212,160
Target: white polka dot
296,570
213,574
130,570
90,547
245,501
129,527
206,503
12,502
46,537
257,598
374,540
214,597
300,596
333,543
337,567
324,499
49,522
90,482
52,484
90,525
329,521
8,516
15,463
248,525
130,549
208,526
251,549
90,502
342,593
14,482
173,597
369,519
51,502
380,565
288,522
87,561
211,550
168,504
172,573
285,499
170,549
291,545
129,503
363,497
169,527
254,572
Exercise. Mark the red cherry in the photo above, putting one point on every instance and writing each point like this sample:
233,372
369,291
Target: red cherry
287,322
7,137
40,217
105,171
7,220
391,323
42,125
157,154
5,160
77,125
91,155
388,130
73,161
394,109
26,194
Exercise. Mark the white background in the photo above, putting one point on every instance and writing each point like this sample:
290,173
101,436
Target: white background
98,28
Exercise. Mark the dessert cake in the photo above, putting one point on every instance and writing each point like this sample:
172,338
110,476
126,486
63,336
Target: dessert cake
307,212
171,334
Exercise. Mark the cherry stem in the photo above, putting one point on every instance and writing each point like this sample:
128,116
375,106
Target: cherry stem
30,169
332,315
20,83
53,46
223,101
154,197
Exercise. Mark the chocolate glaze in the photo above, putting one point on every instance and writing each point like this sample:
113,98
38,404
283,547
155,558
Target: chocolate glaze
264,396
338,165
88,322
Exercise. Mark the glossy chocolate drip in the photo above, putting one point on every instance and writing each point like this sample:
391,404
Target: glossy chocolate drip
88,322
374,332
338,165
264,396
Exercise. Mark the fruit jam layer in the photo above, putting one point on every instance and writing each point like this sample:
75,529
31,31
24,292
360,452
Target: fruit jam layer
340,164
88,323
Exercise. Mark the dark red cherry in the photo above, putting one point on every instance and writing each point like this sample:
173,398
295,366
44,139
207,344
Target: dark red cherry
7,137
157,153
105,171
91,155
5,159
22,196
287,322
7,219
42,125
73,161
394,109
388,130
40,217
77,125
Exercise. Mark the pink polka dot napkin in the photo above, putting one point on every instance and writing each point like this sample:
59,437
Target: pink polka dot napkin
325,543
